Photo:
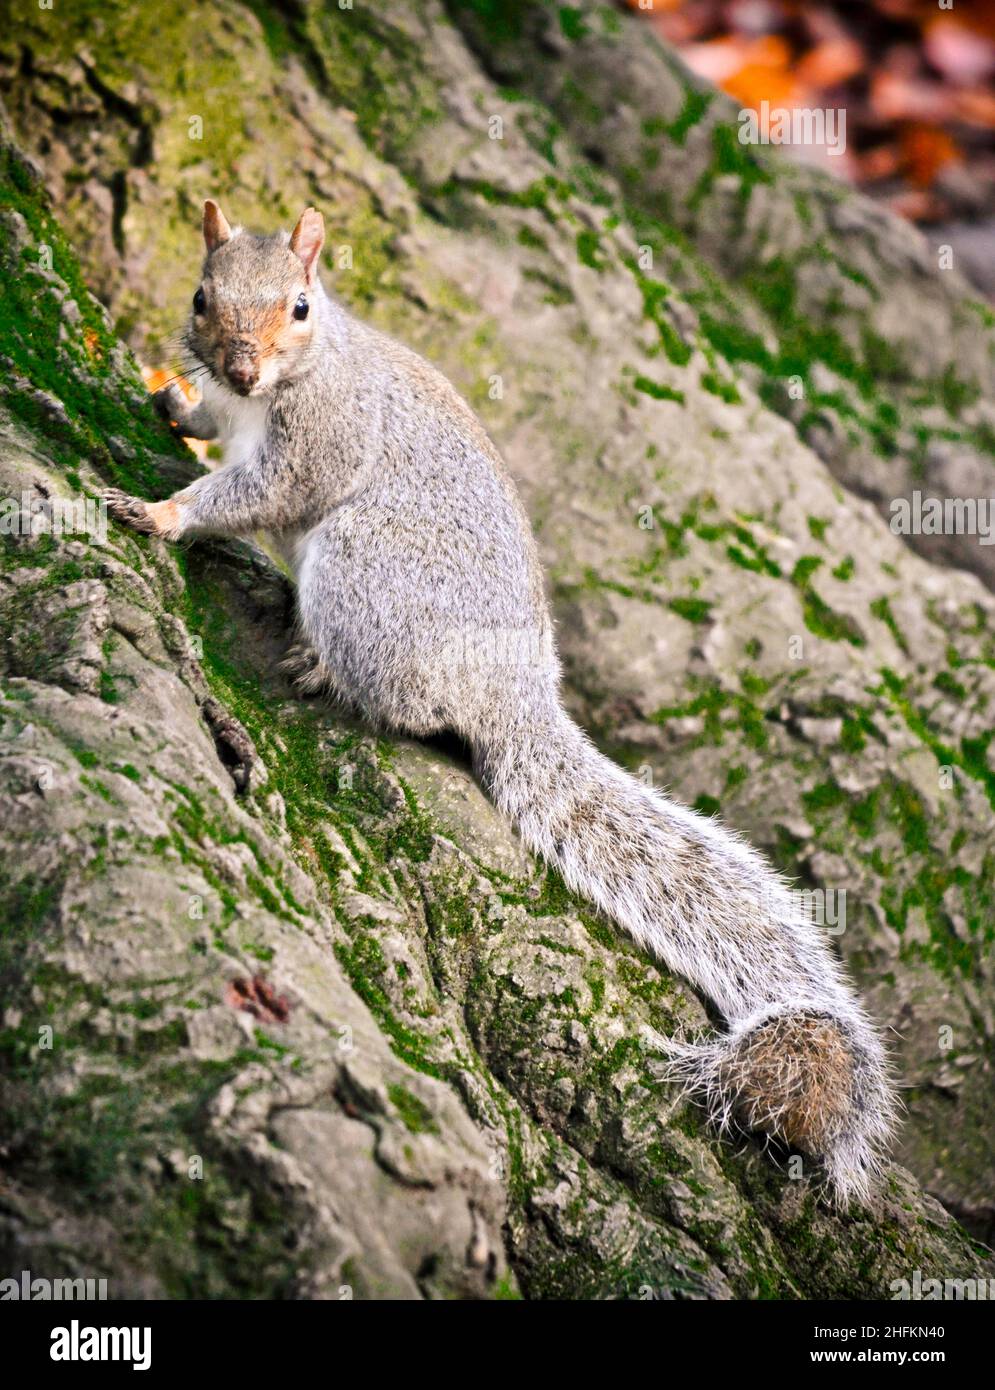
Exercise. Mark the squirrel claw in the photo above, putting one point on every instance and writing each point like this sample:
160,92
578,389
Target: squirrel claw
129,511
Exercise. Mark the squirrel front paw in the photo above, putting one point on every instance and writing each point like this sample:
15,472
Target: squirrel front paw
186,419
150,518
172,405
129,511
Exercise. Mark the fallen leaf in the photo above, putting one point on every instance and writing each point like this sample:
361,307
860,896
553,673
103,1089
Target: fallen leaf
830,63
925,150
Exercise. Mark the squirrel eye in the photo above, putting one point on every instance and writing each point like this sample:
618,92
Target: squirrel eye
301,307
199,301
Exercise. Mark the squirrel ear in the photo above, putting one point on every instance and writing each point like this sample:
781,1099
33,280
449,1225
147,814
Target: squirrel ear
306,241
216,228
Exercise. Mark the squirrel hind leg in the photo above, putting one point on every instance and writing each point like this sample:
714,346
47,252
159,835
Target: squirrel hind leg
800,1076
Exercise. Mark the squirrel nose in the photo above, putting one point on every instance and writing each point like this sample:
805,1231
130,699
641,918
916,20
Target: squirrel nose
242,371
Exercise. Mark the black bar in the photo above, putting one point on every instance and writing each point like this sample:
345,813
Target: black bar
283,1339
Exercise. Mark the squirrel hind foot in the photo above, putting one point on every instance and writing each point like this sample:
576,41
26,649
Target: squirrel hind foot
304,667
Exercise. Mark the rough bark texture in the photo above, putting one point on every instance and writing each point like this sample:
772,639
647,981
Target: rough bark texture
318,964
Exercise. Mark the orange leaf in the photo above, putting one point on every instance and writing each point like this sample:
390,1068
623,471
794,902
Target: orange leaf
764,74
925,151
830,63
754,84
879,163
976,107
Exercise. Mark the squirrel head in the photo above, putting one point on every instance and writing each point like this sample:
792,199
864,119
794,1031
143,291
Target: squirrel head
255,310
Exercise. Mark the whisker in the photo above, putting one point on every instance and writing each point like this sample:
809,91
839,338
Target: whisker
188,376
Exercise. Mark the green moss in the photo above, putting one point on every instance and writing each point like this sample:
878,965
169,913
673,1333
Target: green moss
79,369
970,756
950,685
730,157
414,1113
695,610
588,249
556,292
881,609
693,110
722,712
823,796
723,388
655,294
658,390
819,618
530,239
572,22
499,20
759,561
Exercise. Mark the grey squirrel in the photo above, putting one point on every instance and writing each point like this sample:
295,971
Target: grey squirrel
421,594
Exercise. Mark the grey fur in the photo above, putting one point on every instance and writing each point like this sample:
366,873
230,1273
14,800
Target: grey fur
421,593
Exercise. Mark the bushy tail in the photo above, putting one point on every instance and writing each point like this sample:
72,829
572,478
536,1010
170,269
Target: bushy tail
800,1060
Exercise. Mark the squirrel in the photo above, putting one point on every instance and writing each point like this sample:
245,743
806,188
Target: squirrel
420,592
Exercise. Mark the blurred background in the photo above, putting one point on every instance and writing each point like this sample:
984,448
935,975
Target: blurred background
917,81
